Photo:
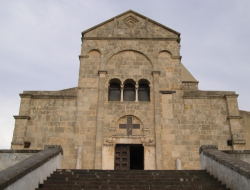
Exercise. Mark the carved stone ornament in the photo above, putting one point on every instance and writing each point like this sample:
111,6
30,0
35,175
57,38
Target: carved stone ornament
110,142
147,142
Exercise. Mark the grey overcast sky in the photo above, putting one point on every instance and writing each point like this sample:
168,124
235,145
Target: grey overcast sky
40,42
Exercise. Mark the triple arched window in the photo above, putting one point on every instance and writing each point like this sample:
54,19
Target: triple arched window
129,91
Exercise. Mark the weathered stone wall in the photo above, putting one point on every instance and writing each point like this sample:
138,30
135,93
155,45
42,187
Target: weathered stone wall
189,123
245,122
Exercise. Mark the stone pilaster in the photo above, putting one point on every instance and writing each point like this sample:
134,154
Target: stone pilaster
99,127
158,142
234,117
21,122
149,154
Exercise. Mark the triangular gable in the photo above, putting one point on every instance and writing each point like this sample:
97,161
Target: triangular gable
130,19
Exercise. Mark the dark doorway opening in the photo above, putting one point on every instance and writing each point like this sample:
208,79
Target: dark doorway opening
129,157
136,157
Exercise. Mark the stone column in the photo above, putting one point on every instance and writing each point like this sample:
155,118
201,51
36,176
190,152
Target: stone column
122,86
136,92
158,142
21,122
79,158
100,110
234,117
149,154
178,164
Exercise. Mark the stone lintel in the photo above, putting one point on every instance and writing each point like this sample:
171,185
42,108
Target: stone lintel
83,56
128,136
21,117
176,57
234,117
25,95
156,72
167,92
124,38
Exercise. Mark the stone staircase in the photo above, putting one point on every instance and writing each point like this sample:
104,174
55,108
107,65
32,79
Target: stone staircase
131,179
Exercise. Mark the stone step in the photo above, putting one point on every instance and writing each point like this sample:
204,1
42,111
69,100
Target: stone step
135,179
137,187
84,183
60,179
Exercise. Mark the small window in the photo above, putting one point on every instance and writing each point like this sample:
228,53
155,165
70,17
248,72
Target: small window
143,92
114,92
129,92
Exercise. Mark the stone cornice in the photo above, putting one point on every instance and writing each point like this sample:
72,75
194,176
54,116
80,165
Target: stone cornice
199,94
190,81
176,57
83,56
25,95
124,38
234,117
232,96
21,117
17,143
52,97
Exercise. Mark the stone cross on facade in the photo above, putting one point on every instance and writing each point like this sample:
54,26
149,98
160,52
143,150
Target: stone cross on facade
129,126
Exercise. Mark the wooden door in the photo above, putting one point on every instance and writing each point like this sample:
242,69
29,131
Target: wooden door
122,157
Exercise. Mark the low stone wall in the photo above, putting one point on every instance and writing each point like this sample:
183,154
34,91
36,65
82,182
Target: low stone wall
243,155
233,172
29,173
11,157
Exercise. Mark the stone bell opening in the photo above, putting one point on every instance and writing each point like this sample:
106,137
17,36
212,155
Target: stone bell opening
129,157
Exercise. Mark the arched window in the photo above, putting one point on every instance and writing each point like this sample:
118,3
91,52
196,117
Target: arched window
114,92
143,91
129,92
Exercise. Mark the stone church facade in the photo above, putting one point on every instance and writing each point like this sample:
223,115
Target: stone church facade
135,105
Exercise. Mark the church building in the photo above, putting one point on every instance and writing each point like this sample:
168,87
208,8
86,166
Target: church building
136,106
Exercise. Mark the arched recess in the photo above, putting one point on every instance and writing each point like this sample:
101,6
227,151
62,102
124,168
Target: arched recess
143,90
137,114
94,49
165,50
95,54
114,90
127,48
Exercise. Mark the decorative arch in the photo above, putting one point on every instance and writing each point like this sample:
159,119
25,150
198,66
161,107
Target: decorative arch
117,80
128,48
137,114
144,80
